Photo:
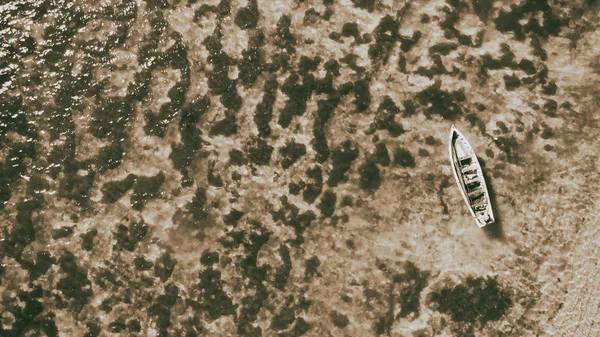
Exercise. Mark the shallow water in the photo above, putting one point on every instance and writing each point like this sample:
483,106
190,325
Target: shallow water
217,168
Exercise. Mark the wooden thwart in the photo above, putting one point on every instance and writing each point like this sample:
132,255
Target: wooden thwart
469,177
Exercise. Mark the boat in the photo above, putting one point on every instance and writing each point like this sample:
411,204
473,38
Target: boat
470,180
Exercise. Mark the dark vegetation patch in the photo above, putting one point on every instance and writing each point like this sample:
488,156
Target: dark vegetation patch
381,156
430,140
298,92
284,38
74,284
312,265
351,61
296,188
405,292
370,178
237,157
28,316
176,57
403,157
146,189
112,191
252,63
62,232
510,147
218,79
342,158
290,153
386,34
550,108
350,29
290,215
332,67
311,16
198,209
128,237
109,157
550,88
476,300
368,5
233,217
212,178
482,8
160,310
282,273
252,236
440,102
259,152
87,239
443,48
436,69
212,299
142,264
406,43
43,261
339,320
314,184
327,204
164,266
451,18
527,66
247,17
264,109
75,185
510,21
325,108
13,168
182,154
209,258
511,82
385,118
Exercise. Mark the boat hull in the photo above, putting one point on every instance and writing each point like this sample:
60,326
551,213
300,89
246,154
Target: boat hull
469,177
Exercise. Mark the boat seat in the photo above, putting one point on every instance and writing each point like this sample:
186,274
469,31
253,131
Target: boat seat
467,170
476,195
466,161
473,184
480,208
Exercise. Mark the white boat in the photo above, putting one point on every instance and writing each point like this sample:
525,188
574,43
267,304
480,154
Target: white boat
469,177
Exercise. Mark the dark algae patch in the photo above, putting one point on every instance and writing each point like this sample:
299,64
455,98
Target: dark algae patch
370,178
112,191
129,236
440,102
404,291
146,189
247,17
385,118
475,300
327,204
259,152
339,320
382,156
342,158
403,157
313,185
264,109
290,153
74,285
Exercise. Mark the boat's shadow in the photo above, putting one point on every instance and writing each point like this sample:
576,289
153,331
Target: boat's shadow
493,231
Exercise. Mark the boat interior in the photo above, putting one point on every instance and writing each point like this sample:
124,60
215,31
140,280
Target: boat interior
472,181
